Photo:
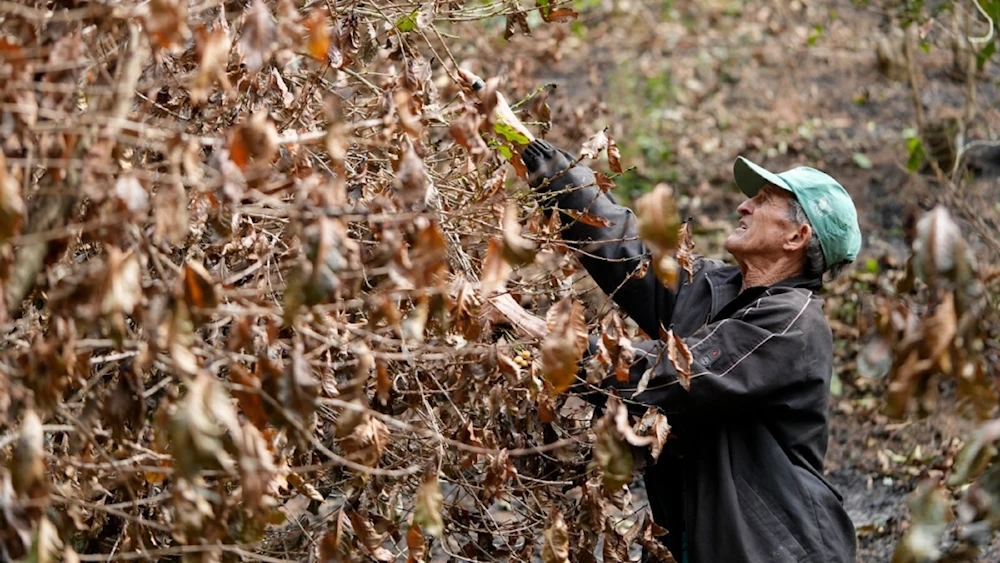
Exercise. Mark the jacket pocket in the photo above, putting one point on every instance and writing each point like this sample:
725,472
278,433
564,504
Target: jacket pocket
761,520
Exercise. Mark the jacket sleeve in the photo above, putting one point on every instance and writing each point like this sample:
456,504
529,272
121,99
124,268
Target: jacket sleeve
614,255
749,361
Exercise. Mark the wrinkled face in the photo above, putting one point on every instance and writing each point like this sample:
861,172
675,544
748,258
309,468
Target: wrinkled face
764,228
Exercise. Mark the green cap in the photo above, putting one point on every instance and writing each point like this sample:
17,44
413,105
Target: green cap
827,204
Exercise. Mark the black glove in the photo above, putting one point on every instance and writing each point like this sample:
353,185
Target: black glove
553,169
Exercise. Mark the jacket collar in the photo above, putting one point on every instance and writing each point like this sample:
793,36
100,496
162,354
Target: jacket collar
725,284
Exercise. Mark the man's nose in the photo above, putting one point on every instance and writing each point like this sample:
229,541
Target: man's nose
745,208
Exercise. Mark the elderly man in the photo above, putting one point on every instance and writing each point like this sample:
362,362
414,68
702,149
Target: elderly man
743,477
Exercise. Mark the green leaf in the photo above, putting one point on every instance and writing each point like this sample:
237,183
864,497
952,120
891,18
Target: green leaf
985,53
916,151
871,266
836,385
407,23
505,151
509,133
862,161
814,35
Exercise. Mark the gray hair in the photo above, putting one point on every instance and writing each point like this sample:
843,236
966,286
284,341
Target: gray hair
815,261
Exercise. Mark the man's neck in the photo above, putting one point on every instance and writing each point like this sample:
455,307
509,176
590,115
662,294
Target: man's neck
769,273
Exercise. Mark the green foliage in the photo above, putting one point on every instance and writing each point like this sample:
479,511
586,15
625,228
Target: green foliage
407,23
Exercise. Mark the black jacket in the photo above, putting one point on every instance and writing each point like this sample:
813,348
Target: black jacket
743,476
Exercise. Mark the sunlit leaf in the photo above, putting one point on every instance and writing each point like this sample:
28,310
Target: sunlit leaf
681,358
564,345
595,144
428,505
555,540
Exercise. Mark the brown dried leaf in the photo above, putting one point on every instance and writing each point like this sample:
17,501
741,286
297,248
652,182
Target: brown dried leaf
563,14
332,546
416,546
203,428
555,542
254,142
428,505
362,437
318,28
647,537
128,191
495,268
12,207
615,545
212,49
259,37
680,356
654,425
166,23
370,539
465,131
411,179
499,470
595,145
659,225
28,463
564,345
517,20
257,467
614,155
588,218
517,250
686,246
611,453
199,289
123,285
615,348
604,182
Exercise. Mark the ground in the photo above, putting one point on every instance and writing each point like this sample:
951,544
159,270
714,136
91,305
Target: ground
686,86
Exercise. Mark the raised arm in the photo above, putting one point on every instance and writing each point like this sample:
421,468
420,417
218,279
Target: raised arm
613,255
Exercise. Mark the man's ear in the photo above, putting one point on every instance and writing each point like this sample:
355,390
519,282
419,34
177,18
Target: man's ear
798,238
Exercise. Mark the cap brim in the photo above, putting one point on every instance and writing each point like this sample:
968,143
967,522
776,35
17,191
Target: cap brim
752,178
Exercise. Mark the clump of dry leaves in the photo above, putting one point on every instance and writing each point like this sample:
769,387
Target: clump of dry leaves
257,264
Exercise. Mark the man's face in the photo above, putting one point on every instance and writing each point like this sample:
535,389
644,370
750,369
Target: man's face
764,227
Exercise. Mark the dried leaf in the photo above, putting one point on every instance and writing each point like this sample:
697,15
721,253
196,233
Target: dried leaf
318,28
411,179
499,470
659,225
128,191
555,542
48,546
647,537
939,251
611,453
680,356
588,218
166,23
370,540
516,21
615,348
615,545
604,182
199,289
931,512
212,49
614,155
259,37
517,250
428,505
654,425
595,144
495,268
203,428
362,437
28,463
254,142
12,207
123,285
416,545
564,345
685,247
563,14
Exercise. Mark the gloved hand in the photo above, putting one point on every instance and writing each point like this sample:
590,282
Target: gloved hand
547,163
